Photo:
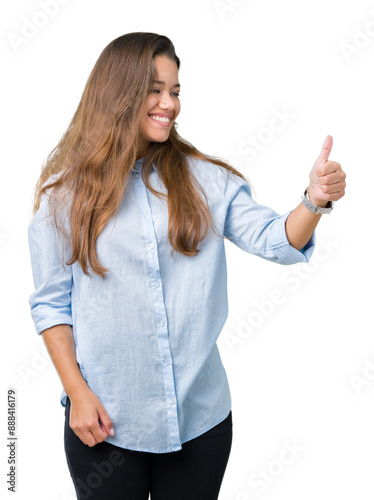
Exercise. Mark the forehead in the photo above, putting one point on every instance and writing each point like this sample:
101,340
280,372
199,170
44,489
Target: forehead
165,66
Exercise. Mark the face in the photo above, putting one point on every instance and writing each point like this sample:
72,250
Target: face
162,105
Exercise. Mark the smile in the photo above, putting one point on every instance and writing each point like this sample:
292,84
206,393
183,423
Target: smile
165,122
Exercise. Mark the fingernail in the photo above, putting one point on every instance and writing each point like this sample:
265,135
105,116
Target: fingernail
111,432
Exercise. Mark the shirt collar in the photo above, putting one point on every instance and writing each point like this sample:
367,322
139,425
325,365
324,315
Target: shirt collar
139,164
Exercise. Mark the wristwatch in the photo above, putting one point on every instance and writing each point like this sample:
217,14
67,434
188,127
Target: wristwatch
314,208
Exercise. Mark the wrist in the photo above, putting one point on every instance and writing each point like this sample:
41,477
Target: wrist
318,203
77,389
316,206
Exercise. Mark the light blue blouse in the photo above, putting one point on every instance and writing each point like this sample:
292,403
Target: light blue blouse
146,335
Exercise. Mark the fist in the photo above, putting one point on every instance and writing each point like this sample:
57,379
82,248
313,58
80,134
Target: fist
327,179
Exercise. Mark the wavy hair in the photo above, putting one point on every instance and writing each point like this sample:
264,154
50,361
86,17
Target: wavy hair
97,152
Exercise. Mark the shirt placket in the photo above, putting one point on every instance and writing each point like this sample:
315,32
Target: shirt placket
160,310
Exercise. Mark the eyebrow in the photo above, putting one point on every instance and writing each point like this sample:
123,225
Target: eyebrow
163,83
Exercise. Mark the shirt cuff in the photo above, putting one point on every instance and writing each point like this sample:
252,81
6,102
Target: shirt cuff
42,323
286,253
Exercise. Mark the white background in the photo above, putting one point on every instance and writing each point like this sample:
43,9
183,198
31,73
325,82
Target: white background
305,373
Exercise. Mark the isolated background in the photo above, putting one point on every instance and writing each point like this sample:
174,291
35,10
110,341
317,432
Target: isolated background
301,371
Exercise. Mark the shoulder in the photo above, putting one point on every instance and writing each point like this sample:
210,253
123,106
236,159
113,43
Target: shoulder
44,212
217,179
52,178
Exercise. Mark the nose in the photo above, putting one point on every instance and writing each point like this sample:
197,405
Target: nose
166,101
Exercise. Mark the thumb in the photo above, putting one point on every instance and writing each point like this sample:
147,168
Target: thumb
106,421
325,151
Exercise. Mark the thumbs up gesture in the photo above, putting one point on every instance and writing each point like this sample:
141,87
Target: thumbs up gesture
327,179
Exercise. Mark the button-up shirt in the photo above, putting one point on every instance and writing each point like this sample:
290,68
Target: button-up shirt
145,336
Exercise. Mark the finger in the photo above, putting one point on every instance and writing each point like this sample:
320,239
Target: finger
336,195
326,149
328,168
333,180
91,440
86,437
332,188
106,422
327,187
98,433
337,175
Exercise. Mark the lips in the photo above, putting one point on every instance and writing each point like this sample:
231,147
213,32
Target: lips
162,123
162,115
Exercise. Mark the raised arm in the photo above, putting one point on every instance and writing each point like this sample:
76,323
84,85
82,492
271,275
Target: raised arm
327,183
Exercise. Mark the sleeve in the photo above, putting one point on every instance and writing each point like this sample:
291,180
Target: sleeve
51,301
258,229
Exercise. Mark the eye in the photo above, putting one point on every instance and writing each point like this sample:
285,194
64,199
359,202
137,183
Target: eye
176,94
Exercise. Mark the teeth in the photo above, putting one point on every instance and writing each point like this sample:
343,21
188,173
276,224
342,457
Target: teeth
160,119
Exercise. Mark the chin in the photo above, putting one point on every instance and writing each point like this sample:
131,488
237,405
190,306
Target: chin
159,138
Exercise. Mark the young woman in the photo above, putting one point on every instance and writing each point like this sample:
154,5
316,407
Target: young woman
128,259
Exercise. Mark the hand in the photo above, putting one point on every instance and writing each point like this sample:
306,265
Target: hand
327,179
85,412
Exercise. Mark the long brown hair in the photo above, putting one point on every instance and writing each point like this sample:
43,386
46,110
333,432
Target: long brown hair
95,155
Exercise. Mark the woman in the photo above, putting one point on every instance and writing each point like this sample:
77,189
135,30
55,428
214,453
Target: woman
128,259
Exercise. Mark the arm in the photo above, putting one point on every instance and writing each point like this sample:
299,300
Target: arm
327,182
86,408
59,341
52,315
259,230
300,225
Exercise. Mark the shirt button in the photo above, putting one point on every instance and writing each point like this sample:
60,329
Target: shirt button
171,401
137,175
146,211
152,245
157,283
161,323
166,361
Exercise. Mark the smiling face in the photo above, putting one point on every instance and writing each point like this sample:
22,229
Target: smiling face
162,105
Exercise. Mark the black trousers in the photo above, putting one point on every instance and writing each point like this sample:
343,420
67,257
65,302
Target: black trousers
106,471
